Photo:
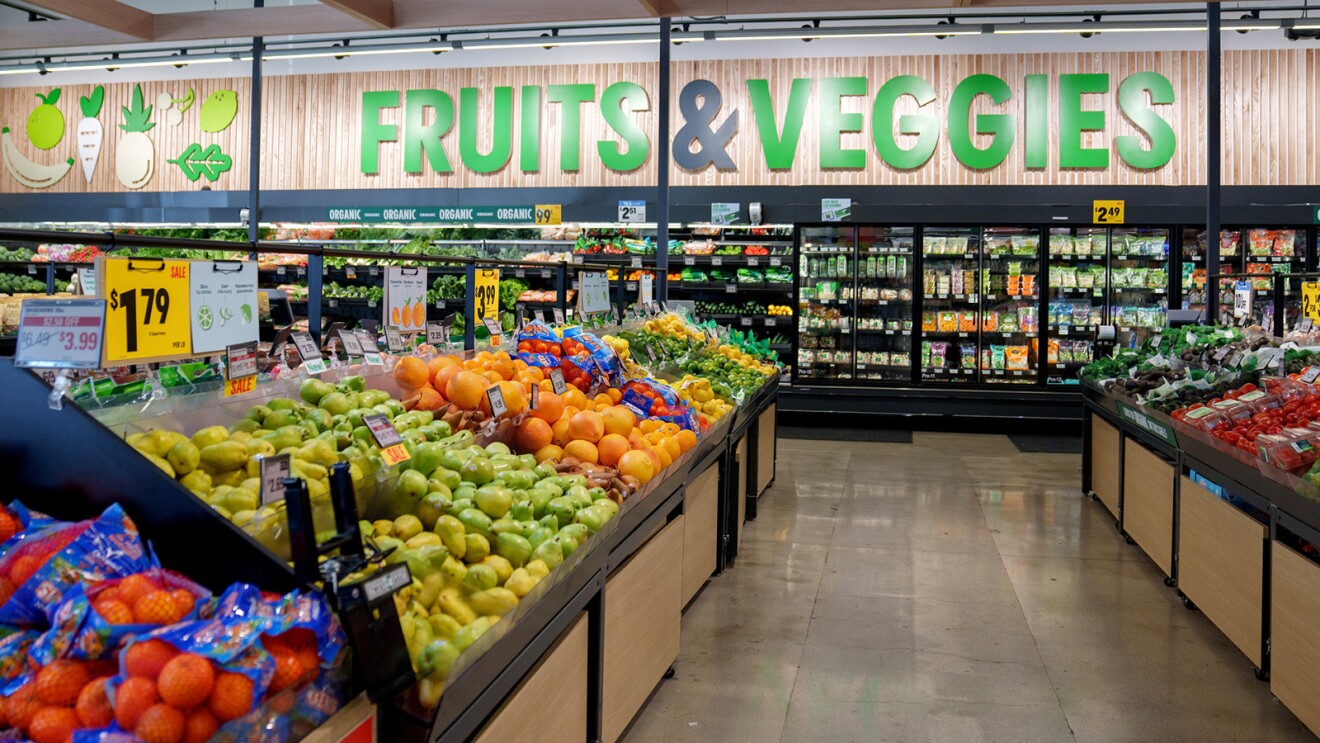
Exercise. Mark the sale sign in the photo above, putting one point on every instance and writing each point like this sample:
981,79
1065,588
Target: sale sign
148,312
60,333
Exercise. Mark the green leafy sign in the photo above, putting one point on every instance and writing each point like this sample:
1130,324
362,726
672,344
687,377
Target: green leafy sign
196,162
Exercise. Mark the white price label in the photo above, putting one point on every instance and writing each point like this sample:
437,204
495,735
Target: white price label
350,272
776,262
307,347
632,211
437,333
730,288
382,430
559,316
273,471
367,341
689,261
595,293
635,262
645,290
753,262
1305,325
519,273
770,322
87,281
492,327
539,315
746,322
495,396
545,273
241,360
60,333
352,346
393,340
557,381
1311,374
535,402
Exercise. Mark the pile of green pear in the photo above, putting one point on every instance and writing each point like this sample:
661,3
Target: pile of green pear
484,527
222,465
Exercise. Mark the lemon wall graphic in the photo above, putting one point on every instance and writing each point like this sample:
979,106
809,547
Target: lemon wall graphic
218,110
45,129
135,155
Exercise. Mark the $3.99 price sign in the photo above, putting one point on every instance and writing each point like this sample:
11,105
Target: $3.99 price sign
486,297
147,314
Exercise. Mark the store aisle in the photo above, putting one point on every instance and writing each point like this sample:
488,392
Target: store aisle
951,589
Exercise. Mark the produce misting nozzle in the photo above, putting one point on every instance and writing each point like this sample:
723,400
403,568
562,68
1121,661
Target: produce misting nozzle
59,387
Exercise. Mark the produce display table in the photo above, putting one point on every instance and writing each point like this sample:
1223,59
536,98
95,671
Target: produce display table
578,663
1235,561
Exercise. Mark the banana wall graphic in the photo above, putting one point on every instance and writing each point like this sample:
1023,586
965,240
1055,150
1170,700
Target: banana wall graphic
45,130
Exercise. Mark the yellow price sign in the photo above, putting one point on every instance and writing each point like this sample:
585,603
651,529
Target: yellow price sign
1108,212
148,315
548,214
486,295
395,454
1311,300
240,385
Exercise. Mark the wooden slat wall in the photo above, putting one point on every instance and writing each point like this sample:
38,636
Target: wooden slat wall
312,127
170,141
311,124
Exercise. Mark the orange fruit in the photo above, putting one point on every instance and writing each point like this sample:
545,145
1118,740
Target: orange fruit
22,706
303,643
637,464
670,428
665,459
23,568
550,451
602,399
515,399
615,394
6,590
442,377
133,697
551,407
533,435
412,371
146,658
619,419
671,446
535,374
161,723
587,425
135,587
655,458
93,707
583,450
573,396
612,446
288,669
560,429
58,684
686,439
114,612
467,389
53,725
200,726
109,594
648,425
157,607
186,680
231,697
503,368
439,364
184,600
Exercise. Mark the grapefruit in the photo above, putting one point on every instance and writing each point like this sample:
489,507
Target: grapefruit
612,447
533,435
583,450
551,407
549,452
467,389
638,464
412,371
619,420
587,425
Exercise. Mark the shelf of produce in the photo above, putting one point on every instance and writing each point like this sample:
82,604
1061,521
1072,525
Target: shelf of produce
949,256
1221,554
737,288
879,331
1075,257
1024,375
1073,329
968,298
32,268
736,261
1011,257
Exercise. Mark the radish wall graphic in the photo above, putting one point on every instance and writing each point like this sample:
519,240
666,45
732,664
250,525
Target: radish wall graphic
90,131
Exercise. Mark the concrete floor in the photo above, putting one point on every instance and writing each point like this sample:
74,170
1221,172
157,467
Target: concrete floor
952,589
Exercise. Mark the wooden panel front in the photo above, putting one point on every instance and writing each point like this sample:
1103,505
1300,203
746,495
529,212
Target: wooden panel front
643,610
765,449
1295,634
1148,503
1104,462
701,529
1221,565
551,703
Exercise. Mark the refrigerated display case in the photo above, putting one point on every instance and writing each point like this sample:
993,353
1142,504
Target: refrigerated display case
951,282
1077,287
1252,254
883,326
1010,305
826,290
1138,282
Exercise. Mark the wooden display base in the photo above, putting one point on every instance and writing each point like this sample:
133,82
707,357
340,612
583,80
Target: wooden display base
765,449
701,505
1148,503
551,703
1295,634
1221,565
1104,463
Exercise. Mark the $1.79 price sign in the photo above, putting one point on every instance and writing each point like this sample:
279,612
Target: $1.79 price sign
148,309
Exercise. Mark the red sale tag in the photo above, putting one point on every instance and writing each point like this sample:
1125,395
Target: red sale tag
240,385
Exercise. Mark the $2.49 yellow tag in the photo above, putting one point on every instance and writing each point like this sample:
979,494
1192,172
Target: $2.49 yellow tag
148,313
1108,212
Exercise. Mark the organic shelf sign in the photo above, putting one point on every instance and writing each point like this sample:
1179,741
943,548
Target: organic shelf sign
446,214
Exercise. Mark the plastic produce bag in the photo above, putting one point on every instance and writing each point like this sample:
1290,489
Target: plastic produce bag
44,568
648,398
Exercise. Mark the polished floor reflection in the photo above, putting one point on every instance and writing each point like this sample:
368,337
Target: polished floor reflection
951,589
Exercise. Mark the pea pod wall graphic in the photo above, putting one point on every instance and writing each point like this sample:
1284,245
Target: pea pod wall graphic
196,162
90,131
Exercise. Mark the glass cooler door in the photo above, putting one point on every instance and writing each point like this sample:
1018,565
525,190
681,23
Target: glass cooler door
951,282
1010,305
885,269
1076,289
1268,251
1138,282
1194,269
826,259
